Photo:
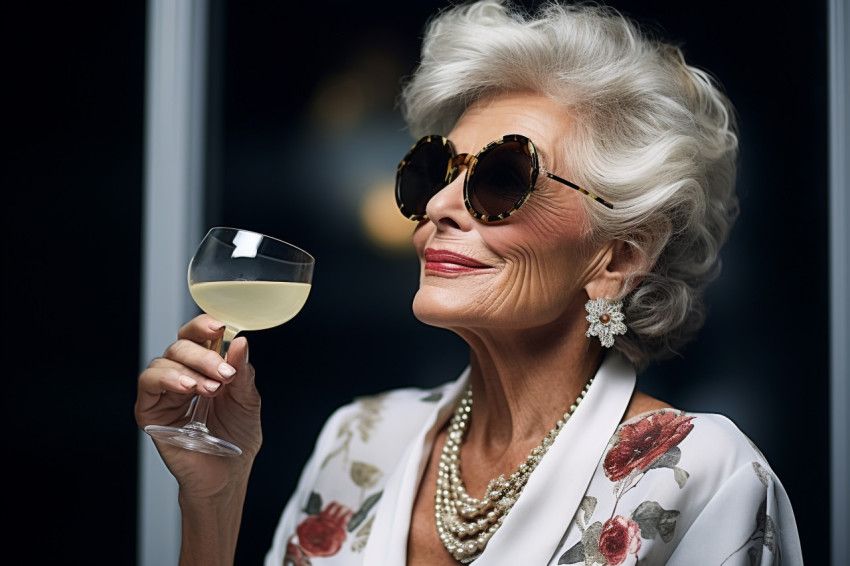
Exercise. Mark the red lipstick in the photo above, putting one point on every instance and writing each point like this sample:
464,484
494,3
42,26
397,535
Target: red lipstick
443,261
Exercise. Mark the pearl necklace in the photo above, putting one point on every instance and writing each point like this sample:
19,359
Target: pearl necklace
465,524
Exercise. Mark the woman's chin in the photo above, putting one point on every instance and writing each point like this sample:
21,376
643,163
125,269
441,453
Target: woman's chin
447,310
432,307
429,312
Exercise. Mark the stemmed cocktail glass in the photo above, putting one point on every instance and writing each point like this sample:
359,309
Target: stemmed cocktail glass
248,281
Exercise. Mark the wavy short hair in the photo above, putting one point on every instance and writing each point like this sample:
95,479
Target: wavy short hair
653,135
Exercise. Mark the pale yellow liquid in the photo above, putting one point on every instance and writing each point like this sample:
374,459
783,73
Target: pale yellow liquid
250,305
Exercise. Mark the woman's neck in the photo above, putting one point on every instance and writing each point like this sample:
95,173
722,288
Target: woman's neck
523,382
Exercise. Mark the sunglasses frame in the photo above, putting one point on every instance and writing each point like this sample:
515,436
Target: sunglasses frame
456,160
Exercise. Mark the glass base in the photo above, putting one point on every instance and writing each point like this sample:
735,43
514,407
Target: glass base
195,438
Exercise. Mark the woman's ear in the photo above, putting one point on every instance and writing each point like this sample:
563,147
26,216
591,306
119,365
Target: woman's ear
615,275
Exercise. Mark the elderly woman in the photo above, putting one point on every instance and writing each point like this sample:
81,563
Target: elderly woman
567,225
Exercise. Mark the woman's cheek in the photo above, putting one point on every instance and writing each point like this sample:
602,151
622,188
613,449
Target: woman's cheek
420,236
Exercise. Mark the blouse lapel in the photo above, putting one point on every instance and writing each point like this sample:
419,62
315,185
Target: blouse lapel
539,519
388,538
537,523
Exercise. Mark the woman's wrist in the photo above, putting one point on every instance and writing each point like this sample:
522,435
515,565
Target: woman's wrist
210,528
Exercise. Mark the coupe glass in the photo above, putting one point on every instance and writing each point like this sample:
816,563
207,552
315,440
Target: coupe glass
248,281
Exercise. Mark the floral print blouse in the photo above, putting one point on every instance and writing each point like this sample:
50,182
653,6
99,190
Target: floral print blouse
665,487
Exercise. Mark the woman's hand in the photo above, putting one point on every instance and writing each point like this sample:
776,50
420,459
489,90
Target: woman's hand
166,388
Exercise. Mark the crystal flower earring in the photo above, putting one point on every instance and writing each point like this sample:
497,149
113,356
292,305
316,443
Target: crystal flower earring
606,320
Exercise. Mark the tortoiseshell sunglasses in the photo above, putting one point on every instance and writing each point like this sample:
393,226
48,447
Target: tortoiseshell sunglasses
499,178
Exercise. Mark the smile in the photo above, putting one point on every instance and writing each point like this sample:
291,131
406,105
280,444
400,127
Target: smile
441,261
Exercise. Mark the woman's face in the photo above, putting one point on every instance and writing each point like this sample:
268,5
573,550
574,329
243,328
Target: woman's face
529,270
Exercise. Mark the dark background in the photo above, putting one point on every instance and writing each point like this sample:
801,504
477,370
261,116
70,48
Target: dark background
302,122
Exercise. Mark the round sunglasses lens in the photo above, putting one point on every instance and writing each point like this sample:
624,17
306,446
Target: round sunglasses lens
501,179
423,175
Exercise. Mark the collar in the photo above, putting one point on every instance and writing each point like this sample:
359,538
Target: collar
544,511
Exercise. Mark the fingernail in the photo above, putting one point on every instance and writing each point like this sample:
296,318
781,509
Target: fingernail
187,382
226,370
213,388
216,326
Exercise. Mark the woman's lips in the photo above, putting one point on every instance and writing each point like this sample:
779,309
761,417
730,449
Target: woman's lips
443,261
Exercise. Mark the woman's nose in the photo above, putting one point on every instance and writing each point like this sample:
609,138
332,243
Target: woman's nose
446,208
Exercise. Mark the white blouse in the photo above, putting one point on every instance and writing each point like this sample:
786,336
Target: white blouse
665,487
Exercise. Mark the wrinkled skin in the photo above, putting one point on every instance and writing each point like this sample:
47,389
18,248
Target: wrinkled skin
541,263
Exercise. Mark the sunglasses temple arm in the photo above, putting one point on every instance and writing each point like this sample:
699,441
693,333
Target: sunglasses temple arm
579,189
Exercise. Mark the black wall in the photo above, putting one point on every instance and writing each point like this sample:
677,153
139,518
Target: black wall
71,192
72,182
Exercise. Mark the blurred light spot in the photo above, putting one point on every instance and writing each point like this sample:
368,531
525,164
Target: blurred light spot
383,224
367,85
340,102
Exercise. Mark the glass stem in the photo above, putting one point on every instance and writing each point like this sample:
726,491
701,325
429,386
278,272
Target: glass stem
202,404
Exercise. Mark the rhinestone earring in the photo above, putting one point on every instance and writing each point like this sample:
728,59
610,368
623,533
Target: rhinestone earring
606,320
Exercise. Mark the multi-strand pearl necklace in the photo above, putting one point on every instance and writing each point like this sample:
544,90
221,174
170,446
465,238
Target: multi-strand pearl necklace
465,524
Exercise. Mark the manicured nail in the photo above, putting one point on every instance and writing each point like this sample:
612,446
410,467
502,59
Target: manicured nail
226,370
187,382
213,388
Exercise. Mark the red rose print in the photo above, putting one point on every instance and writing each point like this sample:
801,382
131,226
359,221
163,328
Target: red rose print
642,443
323,534
619,537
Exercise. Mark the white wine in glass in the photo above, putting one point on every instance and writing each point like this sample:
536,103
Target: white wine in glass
248,281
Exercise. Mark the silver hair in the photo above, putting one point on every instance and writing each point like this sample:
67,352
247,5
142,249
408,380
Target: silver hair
653,135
